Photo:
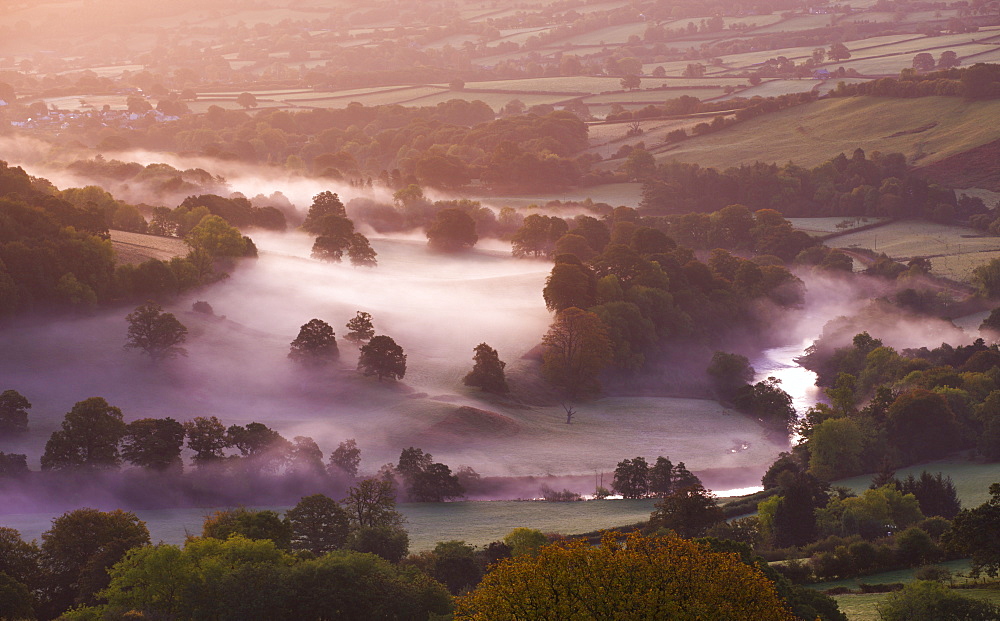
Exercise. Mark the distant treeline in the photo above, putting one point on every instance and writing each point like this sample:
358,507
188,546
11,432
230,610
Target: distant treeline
980,81
880,185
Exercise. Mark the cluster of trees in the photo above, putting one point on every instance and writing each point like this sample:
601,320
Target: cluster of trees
980,81
880,185
731,376
634,478
917,405
55,256
623,291
335,234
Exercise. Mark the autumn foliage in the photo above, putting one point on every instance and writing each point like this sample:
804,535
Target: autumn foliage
632,578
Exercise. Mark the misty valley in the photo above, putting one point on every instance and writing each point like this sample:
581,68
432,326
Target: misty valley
574,309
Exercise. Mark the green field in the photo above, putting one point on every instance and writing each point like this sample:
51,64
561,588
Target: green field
954,250
972,480
775,88
653,96
476,523
864,606
813,133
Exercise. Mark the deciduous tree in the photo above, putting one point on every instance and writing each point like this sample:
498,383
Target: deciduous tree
154,443
88,437
346,458
13,412
640,578
207,438
487,372
360,328
319,524
382,357
577,348
158,334
452,230
315,345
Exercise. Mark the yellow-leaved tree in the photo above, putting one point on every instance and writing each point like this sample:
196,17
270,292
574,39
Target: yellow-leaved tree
630,578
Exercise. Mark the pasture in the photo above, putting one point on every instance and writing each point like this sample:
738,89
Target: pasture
972,479
477,523
825,226
954,251
813,133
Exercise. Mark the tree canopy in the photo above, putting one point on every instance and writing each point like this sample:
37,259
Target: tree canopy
638,578
382,357
157,334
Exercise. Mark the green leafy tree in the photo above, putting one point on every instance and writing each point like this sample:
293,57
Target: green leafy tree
154,443
451,230
639,165
157,334
923,61
263,448
207,438
453,564
525,541
537,236
382,357
838,52
661,477
688,511
16,600
427,481
346,458
388,542
576,349
487,371
217,237
247,100
324,204
835,449
88,437
360,250
77,551
921,425
319,524
630,82
973,532
239,578
13,412
19,559
729,373
315,345
631,478
249,523
360,328
569,285
336,234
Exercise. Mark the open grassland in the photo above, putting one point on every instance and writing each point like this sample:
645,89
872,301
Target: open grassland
811,134
954,250
959,566
588,85
476,523
864,606
656,96
774,88
493,100
972,479
825,226
612,34
798,22
135,247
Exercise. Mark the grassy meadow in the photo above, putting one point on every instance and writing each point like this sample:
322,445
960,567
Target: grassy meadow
811,134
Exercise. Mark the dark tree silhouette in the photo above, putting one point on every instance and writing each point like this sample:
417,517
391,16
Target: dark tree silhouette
382,357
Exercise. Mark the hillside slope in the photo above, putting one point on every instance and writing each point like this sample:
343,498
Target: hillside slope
926,130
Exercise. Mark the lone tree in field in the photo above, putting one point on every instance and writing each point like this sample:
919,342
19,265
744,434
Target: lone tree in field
13,412
316,344
361,328
158,334
247,100
487,372
382,357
